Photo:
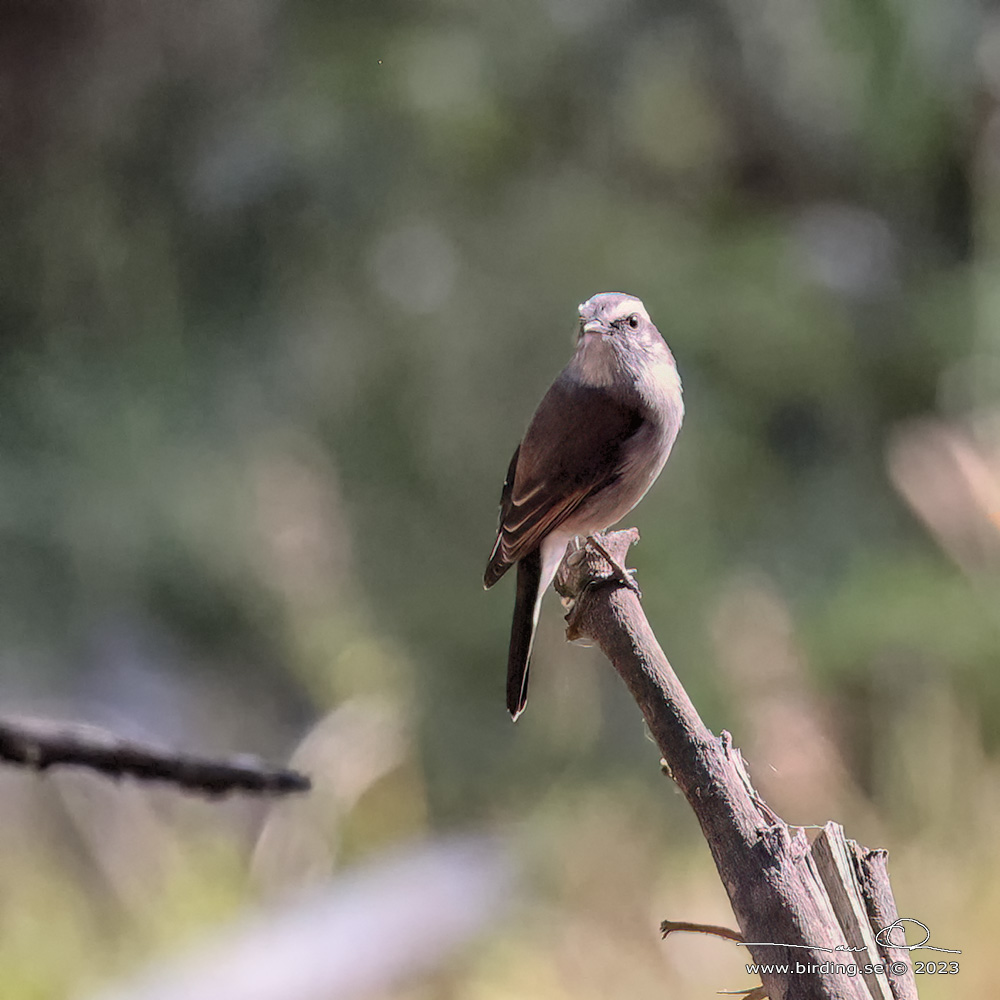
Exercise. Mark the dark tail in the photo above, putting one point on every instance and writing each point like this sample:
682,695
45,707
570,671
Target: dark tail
522,631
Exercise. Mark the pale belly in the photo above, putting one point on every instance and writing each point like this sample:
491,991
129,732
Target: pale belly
645,457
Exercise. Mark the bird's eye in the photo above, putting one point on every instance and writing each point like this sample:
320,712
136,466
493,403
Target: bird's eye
633,321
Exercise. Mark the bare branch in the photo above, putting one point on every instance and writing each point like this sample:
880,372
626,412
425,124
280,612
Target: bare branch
873,877
781,904
41,744
669,926
836,868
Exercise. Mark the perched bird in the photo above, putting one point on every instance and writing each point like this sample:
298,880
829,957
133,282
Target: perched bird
596,443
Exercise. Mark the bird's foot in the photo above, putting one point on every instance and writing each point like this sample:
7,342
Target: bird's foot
575,551
619,573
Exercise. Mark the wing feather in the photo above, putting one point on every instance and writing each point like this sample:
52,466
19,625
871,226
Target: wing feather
572,450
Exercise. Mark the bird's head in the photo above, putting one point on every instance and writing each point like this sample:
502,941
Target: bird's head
617,325
617,317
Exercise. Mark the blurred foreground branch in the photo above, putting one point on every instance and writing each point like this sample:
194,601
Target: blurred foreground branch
372,930
804,907
41,744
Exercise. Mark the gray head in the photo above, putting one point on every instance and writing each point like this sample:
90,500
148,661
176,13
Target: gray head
618,343
617,319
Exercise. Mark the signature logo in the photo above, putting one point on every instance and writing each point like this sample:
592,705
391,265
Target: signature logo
884,939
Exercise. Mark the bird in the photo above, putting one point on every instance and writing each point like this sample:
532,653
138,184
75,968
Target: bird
596,444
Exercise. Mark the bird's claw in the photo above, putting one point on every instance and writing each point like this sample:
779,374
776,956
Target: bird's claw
626,577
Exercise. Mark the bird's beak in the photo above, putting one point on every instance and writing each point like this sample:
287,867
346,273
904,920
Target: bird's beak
593,326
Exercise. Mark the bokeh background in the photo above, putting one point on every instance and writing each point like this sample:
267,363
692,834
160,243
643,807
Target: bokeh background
281,282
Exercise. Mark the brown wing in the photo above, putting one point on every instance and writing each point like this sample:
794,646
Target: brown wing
573,449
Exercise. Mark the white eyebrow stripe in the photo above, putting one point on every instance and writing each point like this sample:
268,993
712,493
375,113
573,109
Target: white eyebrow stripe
626,308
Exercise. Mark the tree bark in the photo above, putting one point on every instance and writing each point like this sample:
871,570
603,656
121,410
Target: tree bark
781,904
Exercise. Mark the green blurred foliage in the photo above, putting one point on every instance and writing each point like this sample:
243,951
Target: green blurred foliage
281,284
